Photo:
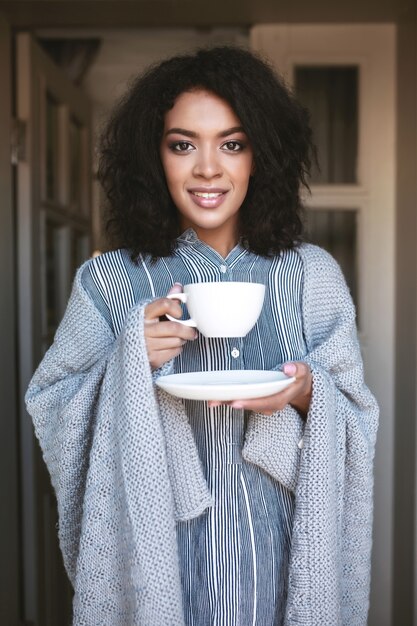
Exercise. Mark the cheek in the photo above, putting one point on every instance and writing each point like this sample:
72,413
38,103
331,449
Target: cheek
174,170
243,174
166,166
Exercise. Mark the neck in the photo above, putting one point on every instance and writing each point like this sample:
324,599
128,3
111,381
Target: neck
222,239
222,243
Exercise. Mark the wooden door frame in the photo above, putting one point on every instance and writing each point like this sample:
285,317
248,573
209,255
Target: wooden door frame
9,482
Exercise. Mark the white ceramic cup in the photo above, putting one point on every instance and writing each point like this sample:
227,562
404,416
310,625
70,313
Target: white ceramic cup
228,309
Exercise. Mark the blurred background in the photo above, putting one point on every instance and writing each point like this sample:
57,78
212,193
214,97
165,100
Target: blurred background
62,66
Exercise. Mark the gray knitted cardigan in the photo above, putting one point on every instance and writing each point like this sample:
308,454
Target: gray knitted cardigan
125,467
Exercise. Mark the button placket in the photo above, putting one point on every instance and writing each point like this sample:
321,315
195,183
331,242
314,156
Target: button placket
236,353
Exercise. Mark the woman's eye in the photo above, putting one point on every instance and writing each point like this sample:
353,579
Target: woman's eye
181,146
232,146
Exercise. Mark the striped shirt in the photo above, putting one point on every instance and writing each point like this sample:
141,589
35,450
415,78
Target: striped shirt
234,557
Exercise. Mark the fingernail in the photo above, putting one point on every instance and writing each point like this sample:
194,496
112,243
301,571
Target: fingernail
237,405
176,288
290,369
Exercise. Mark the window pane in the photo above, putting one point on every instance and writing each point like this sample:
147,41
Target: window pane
335,230
331,96
52,143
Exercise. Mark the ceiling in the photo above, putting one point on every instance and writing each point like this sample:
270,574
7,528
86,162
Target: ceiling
197,13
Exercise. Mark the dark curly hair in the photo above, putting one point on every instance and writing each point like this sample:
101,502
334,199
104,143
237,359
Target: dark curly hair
141,214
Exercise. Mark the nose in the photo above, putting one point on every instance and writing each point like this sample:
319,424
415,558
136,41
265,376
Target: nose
207,164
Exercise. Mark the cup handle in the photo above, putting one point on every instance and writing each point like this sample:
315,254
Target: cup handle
182,297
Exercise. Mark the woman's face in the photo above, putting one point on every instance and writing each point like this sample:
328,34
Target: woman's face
208,162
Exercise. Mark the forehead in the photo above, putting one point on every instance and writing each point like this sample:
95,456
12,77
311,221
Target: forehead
200,109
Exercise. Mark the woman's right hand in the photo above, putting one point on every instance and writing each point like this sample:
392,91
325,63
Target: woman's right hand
165,339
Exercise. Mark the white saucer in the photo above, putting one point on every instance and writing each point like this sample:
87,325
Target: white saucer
224,385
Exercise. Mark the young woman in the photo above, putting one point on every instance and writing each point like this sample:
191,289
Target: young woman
250,512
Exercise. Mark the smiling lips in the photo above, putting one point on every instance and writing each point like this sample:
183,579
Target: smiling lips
207,199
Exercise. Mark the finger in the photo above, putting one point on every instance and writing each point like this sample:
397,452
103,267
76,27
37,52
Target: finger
303,379
265,405
272,403
156,359
250,404
176,288
156,344
161,307
171,329
212,404
290,369
268,403
297,369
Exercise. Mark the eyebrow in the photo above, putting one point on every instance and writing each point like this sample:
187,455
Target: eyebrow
193,135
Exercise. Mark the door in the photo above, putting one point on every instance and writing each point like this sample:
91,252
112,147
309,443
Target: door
345,74
53,236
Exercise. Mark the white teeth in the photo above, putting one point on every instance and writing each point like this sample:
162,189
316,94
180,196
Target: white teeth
207,196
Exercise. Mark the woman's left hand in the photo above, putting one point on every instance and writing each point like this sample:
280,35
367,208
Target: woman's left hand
298,394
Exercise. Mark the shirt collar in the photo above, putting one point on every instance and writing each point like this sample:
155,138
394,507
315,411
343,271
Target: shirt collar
190,238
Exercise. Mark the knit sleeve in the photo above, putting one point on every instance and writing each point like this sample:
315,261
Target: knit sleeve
343,417
102,435
61,398
332,474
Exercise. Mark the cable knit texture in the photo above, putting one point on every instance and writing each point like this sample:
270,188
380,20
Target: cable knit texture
124,464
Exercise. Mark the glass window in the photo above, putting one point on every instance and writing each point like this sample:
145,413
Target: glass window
335,230
331,96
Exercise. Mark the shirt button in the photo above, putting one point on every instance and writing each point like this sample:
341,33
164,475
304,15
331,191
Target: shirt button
235,353
223,269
